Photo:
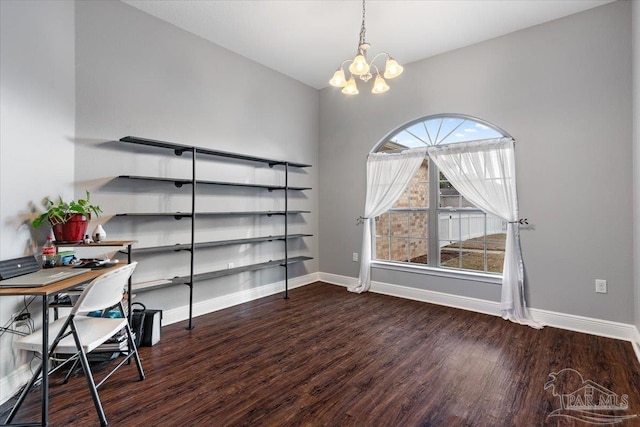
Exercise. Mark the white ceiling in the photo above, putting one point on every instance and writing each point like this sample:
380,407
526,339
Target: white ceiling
307,40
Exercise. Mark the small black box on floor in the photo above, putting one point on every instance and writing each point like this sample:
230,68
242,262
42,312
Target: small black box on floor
151,324
152,327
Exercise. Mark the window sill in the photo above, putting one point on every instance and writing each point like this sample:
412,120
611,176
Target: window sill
440,272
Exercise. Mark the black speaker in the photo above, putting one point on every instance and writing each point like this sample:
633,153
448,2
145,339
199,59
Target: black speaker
152,327
151,324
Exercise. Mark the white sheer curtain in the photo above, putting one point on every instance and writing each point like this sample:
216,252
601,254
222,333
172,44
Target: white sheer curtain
387,177
484,173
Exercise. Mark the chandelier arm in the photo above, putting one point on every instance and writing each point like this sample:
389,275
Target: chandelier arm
375,57
342,66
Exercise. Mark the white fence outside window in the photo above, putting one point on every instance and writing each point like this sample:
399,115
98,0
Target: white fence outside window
459,226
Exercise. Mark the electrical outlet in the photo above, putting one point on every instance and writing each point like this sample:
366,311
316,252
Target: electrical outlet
229,265
601,286
355,257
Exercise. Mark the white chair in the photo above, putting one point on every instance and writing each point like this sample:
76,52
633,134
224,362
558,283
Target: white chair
79,334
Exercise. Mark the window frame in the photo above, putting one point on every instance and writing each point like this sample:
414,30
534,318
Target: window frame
433,211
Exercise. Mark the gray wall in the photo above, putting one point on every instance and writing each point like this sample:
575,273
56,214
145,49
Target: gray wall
138,75
563,90
36,133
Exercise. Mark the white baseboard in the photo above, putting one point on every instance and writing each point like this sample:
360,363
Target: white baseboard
335,279
571,322
587,325
10,384
440,298
636,343
204,307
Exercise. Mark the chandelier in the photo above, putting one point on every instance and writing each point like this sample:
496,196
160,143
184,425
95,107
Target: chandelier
362,69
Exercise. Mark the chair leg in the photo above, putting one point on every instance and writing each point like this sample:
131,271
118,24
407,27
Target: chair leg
132,347
71,369
89,377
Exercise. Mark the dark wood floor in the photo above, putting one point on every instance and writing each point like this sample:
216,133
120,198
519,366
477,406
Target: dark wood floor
330,357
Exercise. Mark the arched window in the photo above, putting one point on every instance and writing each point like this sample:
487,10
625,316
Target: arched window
431,224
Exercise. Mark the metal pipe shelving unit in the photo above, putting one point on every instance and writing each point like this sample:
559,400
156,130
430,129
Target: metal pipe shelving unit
192,246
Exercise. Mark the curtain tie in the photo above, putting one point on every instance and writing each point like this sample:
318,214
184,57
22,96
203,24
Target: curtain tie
521,221
360,220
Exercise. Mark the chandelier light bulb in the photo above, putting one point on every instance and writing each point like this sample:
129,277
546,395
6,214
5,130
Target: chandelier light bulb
338,79
379,85
359,65
392,69
351,88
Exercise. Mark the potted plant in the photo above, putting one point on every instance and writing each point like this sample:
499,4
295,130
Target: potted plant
68,220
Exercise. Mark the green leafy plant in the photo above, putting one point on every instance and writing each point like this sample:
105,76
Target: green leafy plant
60,212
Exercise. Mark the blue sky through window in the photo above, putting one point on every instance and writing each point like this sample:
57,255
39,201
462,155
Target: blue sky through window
443,130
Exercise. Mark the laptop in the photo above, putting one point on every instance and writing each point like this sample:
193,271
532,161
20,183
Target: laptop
25,272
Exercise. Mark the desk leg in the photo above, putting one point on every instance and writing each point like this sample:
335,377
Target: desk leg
43,369
45,360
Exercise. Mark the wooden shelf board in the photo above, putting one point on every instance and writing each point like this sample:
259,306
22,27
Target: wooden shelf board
184,280
186,246
103,243
241,269
183,181
170,214
152,284
181,148
188,215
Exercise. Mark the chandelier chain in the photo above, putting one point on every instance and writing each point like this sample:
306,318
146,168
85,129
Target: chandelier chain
363,29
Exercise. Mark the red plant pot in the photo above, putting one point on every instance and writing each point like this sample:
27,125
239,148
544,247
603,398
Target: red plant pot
73,230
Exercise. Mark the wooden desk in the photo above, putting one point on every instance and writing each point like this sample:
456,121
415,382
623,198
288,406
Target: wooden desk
57,287
45,292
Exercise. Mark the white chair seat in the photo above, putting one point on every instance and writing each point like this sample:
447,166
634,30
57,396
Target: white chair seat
93,331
